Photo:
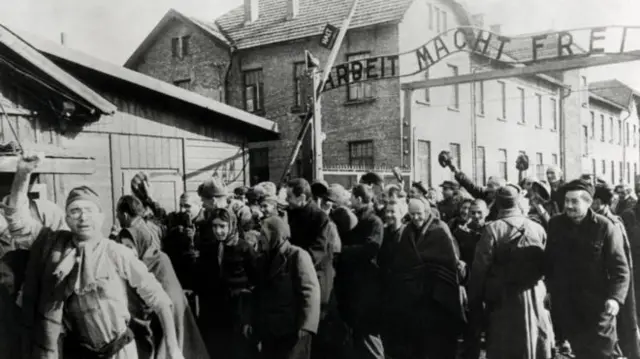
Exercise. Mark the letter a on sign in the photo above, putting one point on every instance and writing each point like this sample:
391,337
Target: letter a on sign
328,37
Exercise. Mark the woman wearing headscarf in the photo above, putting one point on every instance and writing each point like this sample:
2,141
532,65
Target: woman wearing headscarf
287,295
75,288
228,269
139,235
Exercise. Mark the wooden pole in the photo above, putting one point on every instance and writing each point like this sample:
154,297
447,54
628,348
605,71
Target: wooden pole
317,130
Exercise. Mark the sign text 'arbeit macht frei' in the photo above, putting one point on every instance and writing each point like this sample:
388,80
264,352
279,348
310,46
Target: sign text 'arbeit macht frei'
521,50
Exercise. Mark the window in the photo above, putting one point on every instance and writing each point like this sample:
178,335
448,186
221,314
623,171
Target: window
431,17
360,90
628,172
593,125
361,154
455,89
585,141
481,166
299,99
613,174
259,165
627,140
180,46
604,167
621,171
437,19
611,131
253,91
427,92
444,21
619,132
539,110
423,165
454,149
554,159
503,99
522,107
554,114
479,97
593,168
602,128
540,173
635,136
185,84
502,163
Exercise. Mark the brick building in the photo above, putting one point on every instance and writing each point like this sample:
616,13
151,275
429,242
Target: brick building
253,58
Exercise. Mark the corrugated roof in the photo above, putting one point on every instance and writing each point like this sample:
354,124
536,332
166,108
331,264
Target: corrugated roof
272,26
147,82
614,91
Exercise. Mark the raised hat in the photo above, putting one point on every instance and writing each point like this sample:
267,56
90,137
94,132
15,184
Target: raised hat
420,187
542,188
319,188
371,178
450,184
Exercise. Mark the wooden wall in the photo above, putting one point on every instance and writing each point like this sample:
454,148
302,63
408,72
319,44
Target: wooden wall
178,152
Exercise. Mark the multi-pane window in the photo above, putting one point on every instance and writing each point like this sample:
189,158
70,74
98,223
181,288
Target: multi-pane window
437,12
620,132
503,99
185,84
621,170
359,90
554,114
259,165
627,140
443,22
593,125
604,167
361,154
628,172
479,96
613,172
481,166
431,16
423,165
593,168
540,173
611,130
521,100
602,128
455,89
538,114
299,69
180,46
554,159
502,163
253,91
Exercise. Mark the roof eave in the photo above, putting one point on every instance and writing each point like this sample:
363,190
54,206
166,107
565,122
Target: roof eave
596,97
33,56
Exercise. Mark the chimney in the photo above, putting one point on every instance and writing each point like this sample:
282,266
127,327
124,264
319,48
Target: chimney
63,39
250,11
293,7
496,29
478,20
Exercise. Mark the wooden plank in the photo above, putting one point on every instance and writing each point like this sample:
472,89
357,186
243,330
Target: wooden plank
53,165
134,156
176,153
116,168
140,143
157,151
36,58
562,65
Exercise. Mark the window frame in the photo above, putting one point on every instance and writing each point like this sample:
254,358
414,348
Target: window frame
261,165
351,146
480,102
481,179
455,89
523,108
503,154
593,125
362,84
539,105
258,91
503,99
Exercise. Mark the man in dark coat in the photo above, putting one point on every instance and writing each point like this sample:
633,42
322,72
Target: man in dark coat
487,194
625,199
627,319
357,282
588,274
311,231
287,295
450,203
554,177
422,290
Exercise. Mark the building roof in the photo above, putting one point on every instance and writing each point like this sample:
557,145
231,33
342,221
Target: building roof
148,83
31,55
521,47
272,26
615,91
208,28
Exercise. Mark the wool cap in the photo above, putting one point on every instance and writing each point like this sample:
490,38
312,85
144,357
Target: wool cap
450,184
83,193
508,195
319,188
420,187
579,185
372,179
212,187
604,192
338,194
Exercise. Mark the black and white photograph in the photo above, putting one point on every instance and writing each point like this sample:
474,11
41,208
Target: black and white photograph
319,179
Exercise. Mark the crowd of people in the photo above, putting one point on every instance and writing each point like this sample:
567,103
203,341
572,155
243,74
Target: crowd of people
314,270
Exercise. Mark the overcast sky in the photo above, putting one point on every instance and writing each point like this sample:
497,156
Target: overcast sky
112,29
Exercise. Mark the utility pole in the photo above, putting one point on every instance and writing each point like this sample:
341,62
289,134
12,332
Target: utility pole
317,128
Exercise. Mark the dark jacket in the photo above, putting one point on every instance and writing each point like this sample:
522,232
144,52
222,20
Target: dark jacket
624,205
358,279
287,294
179,246
449,208
478,192
586,265
557,197
310,231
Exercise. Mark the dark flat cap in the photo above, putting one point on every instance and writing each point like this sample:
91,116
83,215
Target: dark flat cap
450,184
371,179
604,192
579,185
420,187
319,189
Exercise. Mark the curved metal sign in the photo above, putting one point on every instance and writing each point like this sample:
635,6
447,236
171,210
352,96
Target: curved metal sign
521,50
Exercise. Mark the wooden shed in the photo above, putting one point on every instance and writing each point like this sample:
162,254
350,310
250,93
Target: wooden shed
100,123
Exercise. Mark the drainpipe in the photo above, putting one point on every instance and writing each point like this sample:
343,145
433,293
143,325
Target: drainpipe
232,52
624,144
